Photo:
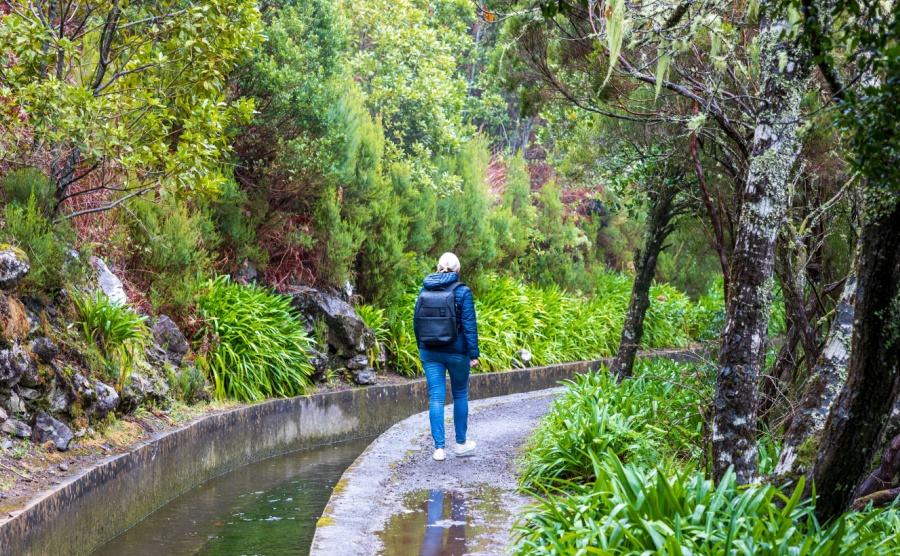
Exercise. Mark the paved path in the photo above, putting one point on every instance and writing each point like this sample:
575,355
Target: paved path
396,500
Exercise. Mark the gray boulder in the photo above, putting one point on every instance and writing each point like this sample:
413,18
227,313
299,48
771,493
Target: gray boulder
167,335
11,402
141,388
45,428
109,282
357,363
29,394
98,398
44,348
347,334
16,428
30,378
13,364
319,361
364,376
14,265
61,396
107,399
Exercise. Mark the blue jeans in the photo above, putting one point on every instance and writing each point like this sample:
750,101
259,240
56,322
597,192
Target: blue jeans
436,366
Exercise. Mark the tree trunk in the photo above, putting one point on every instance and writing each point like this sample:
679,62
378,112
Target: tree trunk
64,173
857,418
800,441
659,226
763,205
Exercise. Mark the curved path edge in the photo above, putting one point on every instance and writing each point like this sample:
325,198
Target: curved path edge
97,504
376,488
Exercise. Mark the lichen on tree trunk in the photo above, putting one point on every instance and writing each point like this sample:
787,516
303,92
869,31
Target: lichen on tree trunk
828,378
857,420
785,69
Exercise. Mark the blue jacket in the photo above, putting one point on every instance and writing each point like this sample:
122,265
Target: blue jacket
467,341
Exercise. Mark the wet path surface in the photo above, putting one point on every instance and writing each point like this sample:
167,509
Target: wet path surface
397,501
268,507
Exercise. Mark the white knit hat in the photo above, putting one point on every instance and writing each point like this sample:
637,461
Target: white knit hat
448,263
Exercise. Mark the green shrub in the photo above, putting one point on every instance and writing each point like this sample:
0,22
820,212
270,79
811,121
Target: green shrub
707,316
169,255
47,246
258,348
646,419
21,185
378,322
189,384
553,325
667,321
114,329
631,510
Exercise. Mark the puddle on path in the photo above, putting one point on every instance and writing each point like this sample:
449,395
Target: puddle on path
447,523
266,508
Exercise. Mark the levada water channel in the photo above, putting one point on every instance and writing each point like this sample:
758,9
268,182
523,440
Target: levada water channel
269,507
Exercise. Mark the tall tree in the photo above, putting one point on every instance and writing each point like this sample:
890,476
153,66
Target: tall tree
859,416
660,223
764,200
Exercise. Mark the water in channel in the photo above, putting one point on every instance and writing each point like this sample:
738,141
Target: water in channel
266,508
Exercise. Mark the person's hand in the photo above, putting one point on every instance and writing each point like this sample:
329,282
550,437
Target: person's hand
473,363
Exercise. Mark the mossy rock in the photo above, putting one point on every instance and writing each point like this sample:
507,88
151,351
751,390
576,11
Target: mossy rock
14,323
14,265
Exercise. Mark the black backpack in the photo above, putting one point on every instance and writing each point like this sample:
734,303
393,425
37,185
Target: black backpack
434,320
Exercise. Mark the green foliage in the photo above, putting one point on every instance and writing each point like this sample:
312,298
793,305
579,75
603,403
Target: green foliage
406,57
645,419
19,186
631,510
667,323
136,87
557,253
374,319
378,322
258,345
553,325
464,206
47,246
116,330
232,228
708,315
166,242
294,77
189,384
612,467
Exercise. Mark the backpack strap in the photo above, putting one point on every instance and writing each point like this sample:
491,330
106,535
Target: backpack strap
453,286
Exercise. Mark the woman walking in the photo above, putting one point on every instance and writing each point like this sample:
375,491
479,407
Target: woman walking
447,335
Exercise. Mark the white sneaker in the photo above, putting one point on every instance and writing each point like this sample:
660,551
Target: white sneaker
467,448
439,455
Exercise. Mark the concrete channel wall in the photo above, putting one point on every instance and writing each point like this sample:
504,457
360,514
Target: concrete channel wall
96,505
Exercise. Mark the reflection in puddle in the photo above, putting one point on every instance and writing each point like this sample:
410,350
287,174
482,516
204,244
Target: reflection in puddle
444,523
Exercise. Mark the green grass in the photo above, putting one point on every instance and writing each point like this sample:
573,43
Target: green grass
614,468
258,347
650,419
555,326
632,510
116,330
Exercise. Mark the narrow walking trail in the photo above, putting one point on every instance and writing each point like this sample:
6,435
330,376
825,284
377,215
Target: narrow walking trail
396,500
